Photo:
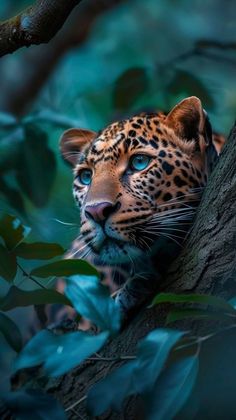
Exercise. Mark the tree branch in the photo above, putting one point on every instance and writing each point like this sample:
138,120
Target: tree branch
41,60
35,25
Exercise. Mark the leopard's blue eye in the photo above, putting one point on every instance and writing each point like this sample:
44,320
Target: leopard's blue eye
85,176
139,162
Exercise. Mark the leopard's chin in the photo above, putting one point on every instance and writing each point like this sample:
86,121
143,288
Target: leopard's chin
115,251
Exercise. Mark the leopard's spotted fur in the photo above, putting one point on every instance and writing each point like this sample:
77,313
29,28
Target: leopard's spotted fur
136,220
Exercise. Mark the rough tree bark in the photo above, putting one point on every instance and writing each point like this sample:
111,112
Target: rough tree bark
35,25
207,264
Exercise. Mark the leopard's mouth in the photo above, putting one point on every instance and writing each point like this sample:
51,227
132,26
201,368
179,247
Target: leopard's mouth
112,251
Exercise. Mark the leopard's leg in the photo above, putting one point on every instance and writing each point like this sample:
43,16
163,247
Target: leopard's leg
137,291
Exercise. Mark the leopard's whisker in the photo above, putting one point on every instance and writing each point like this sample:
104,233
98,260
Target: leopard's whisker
172,238
170,215
144,242
65,223
161,232
81,248
176,200
179,210
156,228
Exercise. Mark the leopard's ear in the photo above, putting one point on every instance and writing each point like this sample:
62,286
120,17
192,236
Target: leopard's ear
73,141
188,120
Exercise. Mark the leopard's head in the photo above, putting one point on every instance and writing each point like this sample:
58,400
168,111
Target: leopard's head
139,179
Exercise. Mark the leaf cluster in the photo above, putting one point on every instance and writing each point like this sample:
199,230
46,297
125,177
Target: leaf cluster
164,370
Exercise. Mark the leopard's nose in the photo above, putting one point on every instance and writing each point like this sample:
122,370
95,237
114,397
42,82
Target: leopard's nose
100,212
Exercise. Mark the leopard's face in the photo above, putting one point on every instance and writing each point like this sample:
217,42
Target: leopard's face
137,182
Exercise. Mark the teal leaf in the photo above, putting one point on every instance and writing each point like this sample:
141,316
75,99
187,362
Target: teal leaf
92,300
8,265
153,351
7,120
64,268
11,332
203,299
232,302
16,298
135,377
59,353
172,389
129,87
179,314
38,250
32,404
112,391
12,231
37,163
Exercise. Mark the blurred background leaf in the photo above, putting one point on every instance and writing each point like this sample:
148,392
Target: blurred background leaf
36,166
11,332
129,87
186,84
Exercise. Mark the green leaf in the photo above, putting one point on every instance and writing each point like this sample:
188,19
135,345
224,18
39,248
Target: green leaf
65,268
129,87
11,332
32,404
36,163
12,231
16,298
179,314
186,84
38,250
172,389
8,265
92,300
193,298
59,353
137,376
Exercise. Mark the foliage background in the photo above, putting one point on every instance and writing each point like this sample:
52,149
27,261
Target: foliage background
137,55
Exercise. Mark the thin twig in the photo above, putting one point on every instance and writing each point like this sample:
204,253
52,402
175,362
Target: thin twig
30,277
77,414
111,359
82,399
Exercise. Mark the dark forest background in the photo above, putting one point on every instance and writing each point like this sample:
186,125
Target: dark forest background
109,60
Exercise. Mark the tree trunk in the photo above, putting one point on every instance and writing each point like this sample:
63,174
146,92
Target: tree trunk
207,264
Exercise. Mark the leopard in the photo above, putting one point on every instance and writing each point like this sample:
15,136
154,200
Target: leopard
138,184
